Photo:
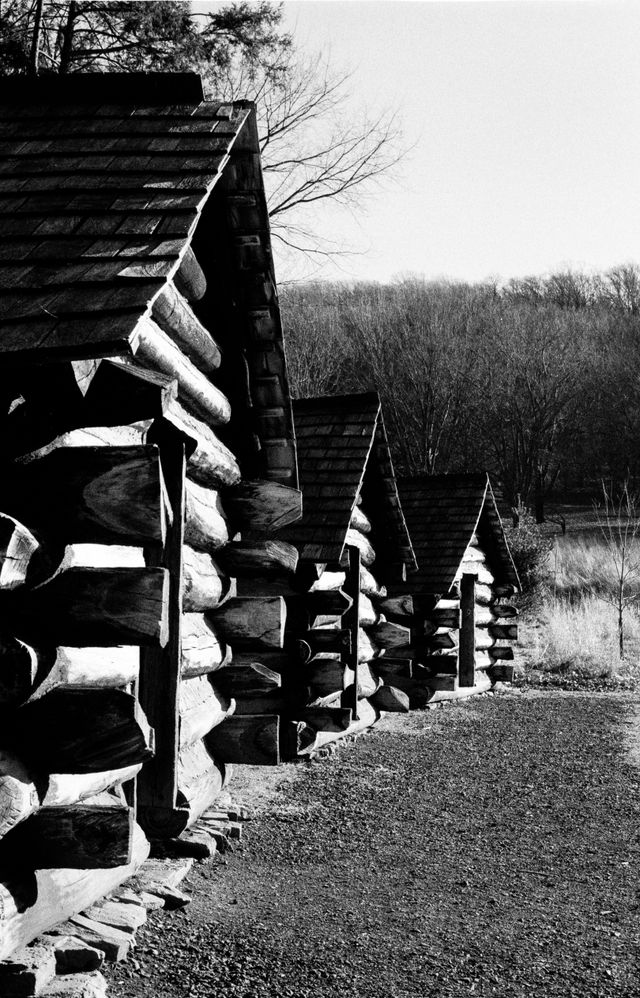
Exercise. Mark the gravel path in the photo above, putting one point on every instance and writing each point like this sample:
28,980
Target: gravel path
490,848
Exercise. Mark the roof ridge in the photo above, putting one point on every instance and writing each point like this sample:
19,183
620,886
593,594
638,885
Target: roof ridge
142,89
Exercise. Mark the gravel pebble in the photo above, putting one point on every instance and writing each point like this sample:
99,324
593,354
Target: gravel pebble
489,849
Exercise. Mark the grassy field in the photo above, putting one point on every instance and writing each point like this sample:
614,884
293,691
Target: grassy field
572,635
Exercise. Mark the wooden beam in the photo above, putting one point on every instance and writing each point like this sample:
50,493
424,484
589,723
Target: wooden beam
160,668
391,699
209,461
261,558
18,670
319,640
467,650
330,602
309,740
369,585
247,680
93,606
205,584
94,668
203,650
368,681
355,539
205,527
94,835
504,632
32,903
359,521
399,609
350,655
80,731
190,279
107,495
388,635
262,507
18,548
501,653
200,779
19,796
251,623
177,319
126,393
249,739
202,707
157,351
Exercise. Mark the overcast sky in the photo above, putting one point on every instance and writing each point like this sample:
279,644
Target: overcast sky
525,120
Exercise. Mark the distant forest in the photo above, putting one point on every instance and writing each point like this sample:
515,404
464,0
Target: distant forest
536,381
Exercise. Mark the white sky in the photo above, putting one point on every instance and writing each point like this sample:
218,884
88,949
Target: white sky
525,120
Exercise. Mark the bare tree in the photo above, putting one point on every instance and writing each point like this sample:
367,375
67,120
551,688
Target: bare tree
621,533
316,148
622,288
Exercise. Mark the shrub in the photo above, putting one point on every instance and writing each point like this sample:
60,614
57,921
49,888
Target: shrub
530,550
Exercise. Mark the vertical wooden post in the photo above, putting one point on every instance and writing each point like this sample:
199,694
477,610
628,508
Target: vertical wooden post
159,685
351,621
467,654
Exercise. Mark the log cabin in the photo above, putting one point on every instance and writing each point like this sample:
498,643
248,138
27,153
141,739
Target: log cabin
352,542
148,458
456,604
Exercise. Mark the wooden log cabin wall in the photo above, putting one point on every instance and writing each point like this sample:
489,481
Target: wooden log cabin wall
148,458
457,604
352,542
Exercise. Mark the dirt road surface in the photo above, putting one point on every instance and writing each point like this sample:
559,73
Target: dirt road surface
488,848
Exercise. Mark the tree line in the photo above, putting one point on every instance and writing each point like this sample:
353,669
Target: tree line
536,381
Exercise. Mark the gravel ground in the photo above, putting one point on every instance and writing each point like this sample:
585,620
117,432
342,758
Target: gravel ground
489,848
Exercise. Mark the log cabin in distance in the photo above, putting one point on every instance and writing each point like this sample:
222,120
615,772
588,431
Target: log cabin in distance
456,605
352,543
148,458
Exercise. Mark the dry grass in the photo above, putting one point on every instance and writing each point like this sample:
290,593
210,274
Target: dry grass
582,563
574,633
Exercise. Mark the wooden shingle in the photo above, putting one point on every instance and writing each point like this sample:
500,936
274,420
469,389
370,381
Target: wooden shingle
338,437
443,512
86,179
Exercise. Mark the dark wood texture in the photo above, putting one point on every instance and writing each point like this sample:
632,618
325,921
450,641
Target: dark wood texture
81,731
249,739
247,558
467,652
95,835
392,699
263,507
106,495
94,606
251,623
160,667
351,621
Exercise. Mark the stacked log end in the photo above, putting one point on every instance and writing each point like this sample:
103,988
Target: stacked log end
131,674
458,641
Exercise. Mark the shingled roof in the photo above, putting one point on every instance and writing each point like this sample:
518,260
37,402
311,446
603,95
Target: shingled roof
443,512
339,438
104,179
